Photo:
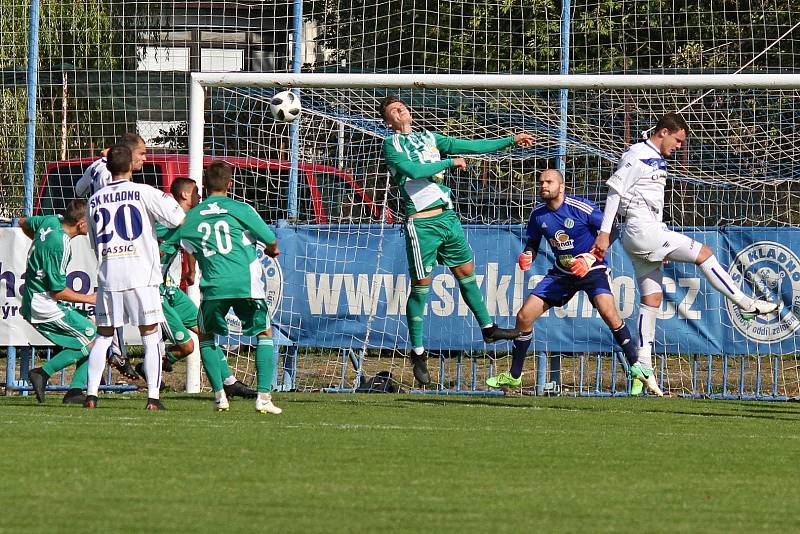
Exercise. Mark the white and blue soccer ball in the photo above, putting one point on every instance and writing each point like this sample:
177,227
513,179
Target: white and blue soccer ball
285,106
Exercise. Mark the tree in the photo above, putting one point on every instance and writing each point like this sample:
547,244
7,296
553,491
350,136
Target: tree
72,35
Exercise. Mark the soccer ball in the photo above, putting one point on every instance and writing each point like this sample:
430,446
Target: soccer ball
285,106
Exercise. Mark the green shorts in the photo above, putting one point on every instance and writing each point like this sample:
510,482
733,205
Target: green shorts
253,314
437,239
180,314
73,331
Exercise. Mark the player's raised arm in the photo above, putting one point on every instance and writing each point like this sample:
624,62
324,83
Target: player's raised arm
454,145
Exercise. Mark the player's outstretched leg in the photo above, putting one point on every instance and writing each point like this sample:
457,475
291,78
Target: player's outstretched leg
718,277
469,289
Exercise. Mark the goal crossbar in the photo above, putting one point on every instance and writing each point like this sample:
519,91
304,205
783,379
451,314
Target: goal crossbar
201,80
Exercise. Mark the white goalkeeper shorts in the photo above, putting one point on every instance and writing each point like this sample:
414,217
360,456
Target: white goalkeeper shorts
650,244
140,306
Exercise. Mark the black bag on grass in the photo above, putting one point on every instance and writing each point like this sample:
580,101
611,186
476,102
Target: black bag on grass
380,383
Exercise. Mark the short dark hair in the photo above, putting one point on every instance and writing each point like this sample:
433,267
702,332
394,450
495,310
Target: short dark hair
391,99
130,140
672,122
218,176
179,185
75,211
119,160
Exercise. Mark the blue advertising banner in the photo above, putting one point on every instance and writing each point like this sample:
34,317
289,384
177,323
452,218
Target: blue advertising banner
347,286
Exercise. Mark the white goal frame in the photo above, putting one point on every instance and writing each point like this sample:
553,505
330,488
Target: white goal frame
202,80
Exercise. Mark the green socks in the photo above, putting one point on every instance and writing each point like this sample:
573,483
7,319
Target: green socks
81,375
415,311
224,369
474,299
210,354
63,359
265,364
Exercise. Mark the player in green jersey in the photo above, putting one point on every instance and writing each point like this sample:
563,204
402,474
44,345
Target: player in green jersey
46,289
222,234
180,313
433,230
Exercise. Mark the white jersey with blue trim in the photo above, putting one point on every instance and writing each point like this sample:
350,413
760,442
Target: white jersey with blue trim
122,219
640,179
95,177
570,230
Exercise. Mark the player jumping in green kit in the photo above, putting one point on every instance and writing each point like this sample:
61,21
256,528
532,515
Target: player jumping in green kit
221,233
433,229
180,313
46,289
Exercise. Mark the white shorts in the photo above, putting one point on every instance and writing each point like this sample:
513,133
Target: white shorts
140,306
649,245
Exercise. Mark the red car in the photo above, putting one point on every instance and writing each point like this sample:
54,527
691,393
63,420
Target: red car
324,194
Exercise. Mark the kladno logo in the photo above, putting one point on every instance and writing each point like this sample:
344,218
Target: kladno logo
768,271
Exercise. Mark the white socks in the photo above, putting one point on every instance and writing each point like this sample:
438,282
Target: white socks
231,380
646,329
722,282
97,363
152,363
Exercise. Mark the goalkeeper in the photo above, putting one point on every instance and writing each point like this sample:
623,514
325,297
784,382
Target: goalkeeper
570,225
433,230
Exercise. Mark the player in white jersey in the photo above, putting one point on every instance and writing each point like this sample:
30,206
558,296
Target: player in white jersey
122,219
97,176
636,193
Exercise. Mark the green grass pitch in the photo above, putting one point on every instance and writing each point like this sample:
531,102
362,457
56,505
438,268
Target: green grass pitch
400,463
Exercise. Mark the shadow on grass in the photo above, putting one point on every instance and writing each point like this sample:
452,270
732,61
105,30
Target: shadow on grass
749,412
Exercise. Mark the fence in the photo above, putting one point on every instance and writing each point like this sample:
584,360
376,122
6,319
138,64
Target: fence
79,75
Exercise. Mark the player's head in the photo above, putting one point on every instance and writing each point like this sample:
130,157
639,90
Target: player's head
119,162
138,149
670,133
218,177
74,216
551,185
184,190
394,112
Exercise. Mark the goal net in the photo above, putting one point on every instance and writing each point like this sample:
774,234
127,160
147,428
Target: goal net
342,281
106,67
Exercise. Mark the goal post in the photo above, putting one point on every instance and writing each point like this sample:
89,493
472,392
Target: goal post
343,276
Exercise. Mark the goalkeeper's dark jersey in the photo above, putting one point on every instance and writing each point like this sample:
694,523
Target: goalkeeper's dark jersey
570,230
